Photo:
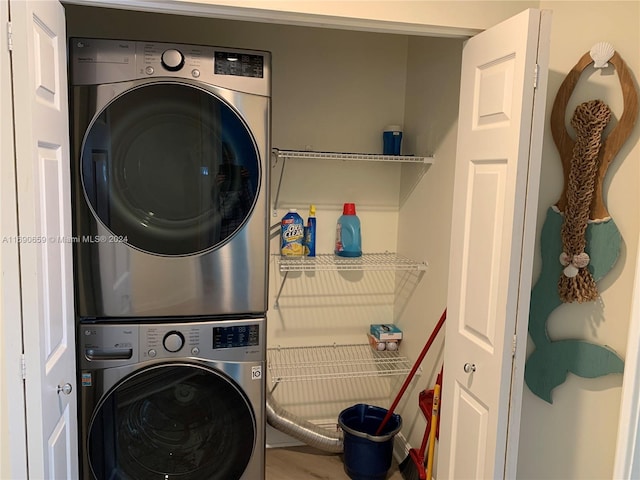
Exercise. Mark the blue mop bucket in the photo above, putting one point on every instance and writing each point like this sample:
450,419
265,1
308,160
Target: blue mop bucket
367,456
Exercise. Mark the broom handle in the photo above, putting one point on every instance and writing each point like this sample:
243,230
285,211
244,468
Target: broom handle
427,431
424,351
425,437
434,426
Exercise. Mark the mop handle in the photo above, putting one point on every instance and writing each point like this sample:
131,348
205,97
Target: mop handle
423,353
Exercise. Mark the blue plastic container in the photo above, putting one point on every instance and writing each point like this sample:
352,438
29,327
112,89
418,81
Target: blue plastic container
391,140
367,456
348,236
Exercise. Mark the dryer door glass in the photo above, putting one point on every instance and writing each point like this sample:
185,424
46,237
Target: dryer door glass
171,169
172,421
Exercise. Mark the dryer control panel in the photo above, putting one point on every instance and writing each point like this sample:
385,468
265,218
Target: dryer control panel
101,61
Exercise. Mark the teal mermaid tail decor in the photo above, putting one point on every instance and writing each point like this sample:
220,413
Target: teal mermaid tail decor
548,365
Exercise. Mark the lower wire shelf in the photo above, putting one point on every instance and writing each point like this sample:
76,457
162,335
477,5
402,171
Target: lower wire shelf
327,362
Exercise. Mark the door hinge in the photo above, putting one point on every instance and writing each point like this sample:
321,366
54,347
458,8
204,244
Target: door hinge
9,37
23,367
513,345
536,74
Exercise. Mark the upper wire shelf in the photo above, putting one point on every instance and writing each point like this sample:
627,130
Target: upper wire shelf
368,261
285,155
369,157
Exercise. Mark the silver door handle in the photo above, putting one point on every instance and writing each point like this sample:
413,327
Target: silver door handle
66,388
469,367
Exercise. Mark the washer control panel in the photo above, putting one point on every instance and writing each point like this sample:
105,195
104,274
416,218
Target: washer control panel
163,340
123,344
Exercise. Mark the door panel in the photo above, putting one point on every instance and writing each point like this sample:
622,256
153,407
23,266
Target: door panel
44,212
486,193
496,180
469,431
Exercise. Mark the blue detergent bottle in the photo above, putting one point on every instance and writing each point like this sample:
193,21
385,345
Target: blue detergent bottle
348,236
310,233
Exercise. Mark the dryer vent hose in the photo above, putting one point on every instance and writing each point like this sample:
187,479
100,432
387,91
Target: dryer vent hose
302,429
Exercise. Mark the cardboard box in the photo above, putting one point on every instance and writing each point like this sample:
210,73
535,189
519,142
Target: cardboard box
385,331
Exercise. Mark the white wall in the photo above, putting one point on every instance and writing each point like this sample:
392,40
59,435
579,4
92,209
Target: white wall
575,437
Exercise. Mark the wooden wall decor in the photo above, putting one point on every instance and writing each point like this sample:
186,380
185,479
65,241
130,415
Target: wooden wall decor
551,361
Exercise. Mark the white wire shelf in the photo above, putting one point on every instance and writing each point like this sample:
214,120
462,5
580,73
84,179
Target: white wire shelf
368,261
369,157
284,155
328,362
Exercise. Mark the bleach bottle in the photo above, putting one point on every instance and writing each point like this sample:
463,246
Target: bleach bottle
348,237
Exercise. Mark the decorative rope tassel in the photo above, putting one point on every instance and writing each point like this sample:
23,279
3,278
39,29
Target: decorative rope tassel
576,282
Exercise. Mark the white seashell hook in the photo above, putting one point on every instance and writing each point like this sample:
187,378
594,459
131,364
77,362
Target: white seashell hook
601,54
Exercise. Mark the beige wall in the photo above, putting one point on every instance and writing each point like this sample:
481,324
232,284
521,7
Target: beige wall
575,437
443,16
467,14
431,119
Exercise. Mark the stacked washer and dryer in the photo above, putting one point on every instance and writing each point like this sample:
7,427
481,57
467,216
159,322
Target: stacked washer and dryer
170,146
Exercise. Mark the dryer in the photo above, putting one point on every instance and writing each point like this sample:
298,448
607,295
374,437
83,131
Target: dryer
169,401
170,146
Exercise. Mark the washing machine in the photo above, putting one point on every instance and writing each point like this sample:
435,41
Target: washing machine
169,401
170,146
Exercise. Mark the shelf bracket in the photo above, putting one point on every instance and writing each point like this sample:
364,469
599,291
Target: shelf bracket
277,196
275,385
276,304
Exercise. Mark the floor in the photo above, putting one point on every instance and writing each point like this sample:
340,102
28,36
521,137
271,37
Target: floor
302,463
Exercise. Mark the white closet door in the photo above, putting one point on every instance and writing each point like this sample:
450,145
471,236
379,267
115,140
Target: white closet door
493,231
44,222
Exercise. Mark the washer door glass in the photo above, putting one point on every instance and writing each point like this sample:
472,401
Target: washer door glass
170,169
173,421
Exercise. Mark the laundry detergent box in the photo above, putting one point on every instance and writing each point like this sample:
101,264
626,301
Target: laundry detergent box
292,234
385,331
